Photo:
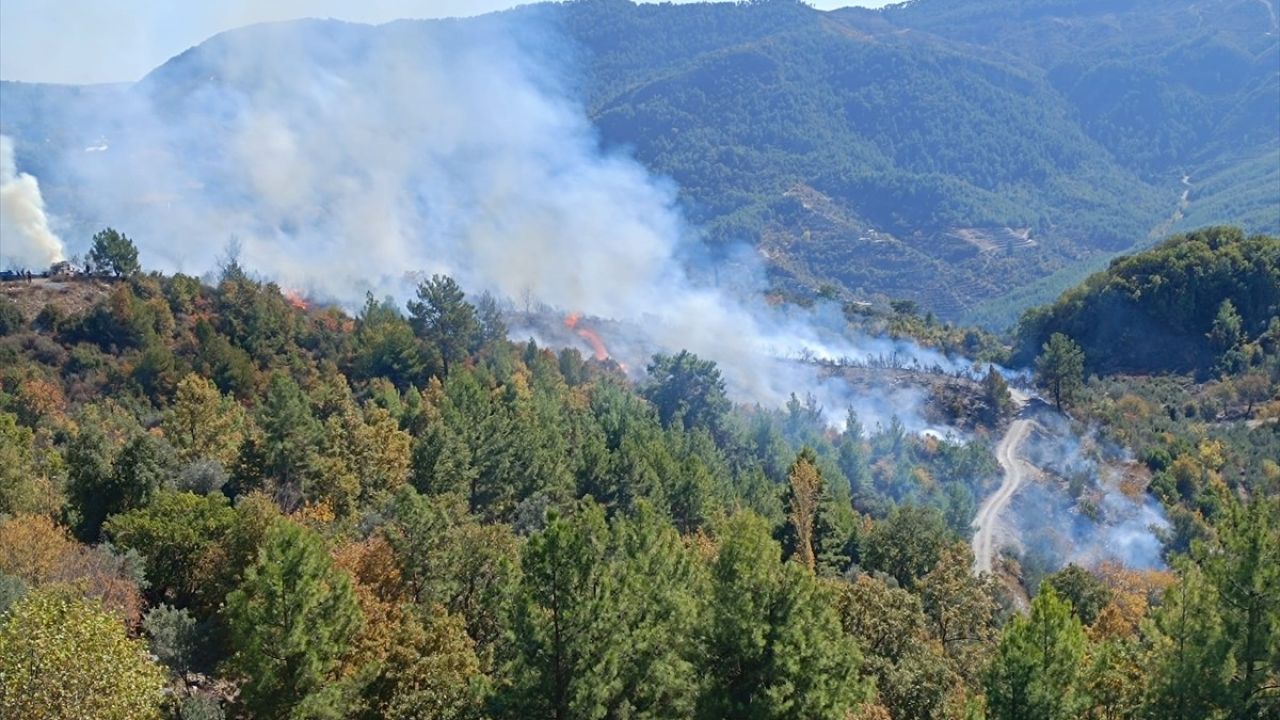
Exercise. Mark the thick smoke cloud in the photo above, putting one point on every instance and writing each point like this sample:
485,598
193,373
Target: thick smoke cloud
342,157
25,238
345,158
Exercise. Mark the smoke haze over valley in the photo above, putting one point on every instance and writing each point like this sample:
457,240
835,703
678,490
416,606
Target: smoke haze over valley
975,191
345,159
600,359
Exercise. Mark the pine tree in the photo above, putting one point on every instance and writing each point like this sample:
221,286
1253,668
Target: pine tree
1037,664
114,252
291,435
995,393
1244,568
853,458
649,669
385,346
1189,652
443,318
688,392
1227,330
447,559
774,646
1060,368
289,621
607,620
1226,336
561,617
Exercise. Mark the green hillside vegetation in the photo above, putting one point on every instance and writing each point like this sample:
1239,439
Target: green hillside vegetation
1197,301
307,514
1246,192
855,143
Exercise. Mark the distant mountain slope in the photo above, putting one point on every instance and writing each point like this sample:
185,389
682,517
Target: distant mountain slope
1165,85
947,151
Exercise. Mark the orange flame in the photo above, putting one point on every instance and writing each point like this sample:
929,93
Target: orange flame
597,345
294,298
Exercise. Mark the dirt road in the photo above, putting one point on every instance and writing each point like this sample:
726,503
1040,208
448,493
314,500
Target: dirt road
986,523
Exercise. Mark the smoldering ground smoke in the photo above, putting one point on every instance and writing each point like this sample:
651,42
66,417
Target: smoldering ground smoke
1087,511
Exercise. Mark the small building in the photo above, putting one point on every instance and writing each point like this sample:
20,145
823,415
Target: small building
63,269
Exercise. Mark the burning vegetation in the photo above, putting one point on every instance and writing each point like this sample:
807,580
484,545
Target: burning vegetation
296,299
573,321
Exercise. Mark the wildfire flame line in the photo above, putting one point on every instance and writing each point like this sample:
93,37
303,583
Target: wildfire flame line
294,298
572,321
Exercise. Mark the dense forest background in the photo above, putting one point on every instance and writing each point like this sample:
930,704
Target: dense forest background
216,501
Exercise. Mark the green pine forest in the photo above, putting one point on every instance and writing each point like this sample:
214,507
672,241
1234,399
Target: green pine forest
217,502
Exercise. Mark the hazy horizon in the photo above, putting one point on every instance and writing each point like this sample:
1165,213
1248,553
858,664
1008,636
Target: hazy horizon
79,42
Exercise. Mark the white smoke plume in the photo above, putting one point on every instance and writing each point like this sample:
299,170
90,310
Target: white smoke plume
26,242
342,157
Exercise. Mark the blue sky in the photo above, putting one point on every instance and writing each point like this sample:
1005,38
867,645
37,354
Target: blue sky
88,41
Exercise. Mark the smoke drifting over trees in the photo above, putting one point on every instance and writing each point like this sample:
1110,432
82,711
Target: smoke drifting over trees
345,158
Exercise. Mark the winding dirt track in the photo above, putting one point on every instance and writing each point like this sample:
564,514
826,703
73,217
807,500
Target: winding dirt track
1016,471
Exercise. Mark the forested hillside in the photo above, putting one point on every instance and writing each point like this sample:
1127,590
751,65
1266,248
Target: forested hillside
946,152
357,469
1197,301
217,501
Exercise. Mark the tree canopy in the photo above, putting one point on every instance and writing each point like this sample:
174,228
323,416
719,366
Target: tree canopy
64,658
115,253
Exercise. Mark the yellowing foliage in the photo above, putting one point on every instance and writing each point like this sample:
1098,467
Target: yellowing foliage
40,399
63,658
315,516
1132,593
1133,408
1211,454
35,549
43,554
